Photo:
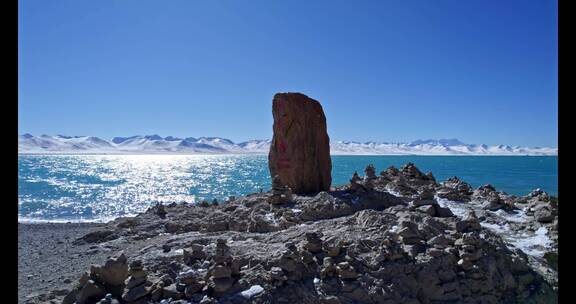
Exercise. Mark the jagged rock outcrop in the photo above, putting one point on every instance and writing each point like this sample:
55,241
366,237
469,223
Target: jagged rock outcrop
354,244
300,149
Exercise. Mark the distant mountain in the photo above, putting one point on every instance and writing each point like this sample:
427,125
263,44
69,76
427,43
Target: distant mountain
155,144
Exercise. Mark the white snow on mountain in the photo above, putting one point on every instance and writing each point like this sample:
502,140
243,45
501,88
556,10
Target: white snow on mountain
155,144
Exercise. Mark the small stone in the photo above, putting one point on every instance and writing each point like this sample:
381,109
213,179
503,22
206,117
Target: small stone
443,211
223,284
171,292
345,271
172,227
252,292
221,271
544,215
426,194
430,210
465,264
166,248
193,288
440,242
132,282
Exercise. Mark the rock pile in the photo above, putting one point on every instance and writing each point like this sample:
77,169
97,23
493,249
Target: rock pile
355,244
196,253
220,274
100,281
455,190
136,289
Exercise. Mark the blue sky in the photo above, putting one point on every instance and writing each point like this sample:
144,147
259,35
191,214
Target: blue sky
481,71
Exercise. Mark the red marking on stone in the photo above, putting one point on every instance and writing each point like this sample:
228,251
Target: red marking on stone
283,147
282,162
283,166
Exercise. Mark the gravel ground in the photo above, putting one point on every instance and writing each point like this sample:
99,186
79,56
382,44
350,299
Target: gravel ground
47,260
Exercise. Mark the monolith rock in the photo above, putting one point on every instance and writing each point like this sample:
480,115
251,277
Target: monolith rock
300,149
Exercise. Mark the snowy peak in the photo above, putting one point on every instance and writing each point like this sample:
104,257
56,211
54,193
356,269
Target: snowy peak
438,142
155,144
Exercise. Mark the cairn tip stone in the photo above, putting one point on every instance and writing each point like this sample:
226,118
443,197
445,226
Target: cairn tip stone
300,149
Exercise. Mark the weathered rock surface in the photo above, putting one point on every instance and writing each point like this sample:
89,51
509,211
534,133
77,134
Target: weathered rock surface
354,244
300,149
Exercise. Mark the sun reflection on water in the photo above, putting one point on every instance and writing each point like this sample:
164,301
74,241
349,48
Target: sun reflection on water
106,186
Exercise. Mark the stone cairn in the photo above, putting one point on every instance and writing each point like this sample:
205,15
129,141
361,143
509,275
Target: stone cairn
220,274
369,177
313,242
280,193
328,268
345,271
356,182
291,262
136,283
366,184
370,172
195,254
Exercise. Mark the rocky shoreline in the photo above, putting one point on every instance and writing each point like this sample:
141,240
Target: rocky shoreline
395,237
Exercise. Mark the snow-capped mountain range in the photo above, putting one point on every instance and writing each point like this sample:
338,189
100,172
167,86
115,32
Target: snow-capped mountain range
154,144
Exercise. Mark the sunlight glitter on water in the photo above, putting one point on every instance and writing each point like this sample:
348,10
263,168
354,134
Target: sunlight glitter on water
85,187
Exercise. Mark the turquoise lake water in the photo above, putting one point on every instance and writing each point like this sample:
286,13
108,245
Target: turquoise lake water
102,187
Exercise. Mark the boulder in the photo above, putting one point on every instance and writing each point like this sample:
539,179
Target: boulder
543,214
90,293
300,149
112,273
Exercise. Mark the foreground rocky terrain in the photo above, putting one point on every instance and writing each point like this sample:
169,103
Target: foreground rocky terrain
396,237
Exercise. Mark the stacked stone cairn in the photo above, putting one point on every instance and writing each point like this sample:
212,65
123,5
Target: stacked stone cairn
136,285
492,200
277,276
356,182
196,253
426,203
313,242
455,190
345,271
219,276
291,262
366,184
369,177
280,193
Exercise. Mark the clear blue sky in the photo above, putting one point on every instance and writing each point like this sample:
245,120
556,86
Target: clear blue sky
480,71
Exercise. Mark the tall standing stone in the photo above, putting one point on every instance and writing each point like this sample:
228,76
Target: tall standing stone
300,149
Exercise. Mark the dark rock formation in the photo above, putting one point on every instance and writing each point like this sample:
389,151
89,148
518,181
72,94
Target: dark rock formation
300,149
355,244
